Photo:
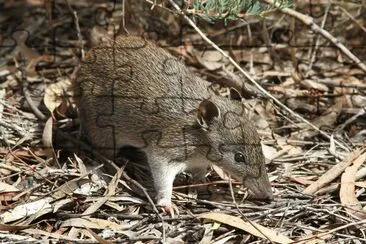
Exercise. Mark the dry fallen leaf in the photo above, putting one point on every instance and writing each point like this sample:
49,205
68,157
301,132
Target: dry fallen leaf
7,192
48,235
268,152
361,184
111,190
220,172
241,55
347,191
5,227
53,96
82,168
30,209
309,84
47,138
301,180
333,173
93,223
5,188
31,55
61,203
329,118
13,238
211,60
7,196
252,228
68,188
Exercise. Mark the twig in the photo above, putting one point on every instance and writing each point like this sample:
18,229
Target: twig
296,142
242,214
313,57
29,100
267,41
122,25
196,37
27,96
14,127
352,18
77,26
352,119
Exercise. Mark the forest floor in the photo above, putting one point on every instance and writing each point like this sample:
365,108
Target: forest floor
310,116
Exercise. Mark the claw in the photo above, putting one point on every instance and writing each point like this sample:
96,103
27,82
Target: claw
170,209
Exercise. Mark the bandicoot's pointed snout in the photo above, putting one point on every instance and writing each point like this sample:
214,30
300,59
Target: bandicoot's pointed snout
260,187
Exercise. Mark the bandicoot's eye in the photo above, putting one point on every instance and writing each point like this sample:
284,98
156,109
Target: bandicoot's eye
239,157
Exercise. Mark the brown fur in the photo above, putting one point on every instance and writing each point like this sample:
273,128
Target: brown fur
131,92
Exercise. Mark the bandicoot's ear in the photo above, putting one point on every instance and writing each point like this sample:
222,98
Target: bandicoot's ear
206,112
235,94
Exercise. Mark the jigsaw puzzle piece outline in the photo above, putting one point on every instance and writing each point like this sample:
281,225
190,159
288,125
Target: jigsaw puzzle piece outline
156,103
123,72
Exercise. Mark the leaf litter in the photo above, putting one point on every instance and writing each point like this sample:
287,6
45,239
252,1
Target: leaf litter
319,187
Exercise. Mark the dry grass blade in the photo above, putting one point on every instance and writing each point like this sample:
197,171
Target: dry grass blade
93,223
110,192
68,188
5,227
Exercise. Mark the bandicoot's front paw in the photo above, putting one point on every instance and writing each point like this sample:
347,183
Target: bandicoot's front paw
168,207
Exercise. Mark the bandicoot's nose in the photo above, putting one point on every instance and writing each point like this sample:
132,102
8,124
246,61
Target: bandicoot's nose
260,187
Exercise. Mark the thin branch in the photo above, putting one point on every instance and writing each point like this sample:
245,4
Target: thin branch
313,57
77,26
349,15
